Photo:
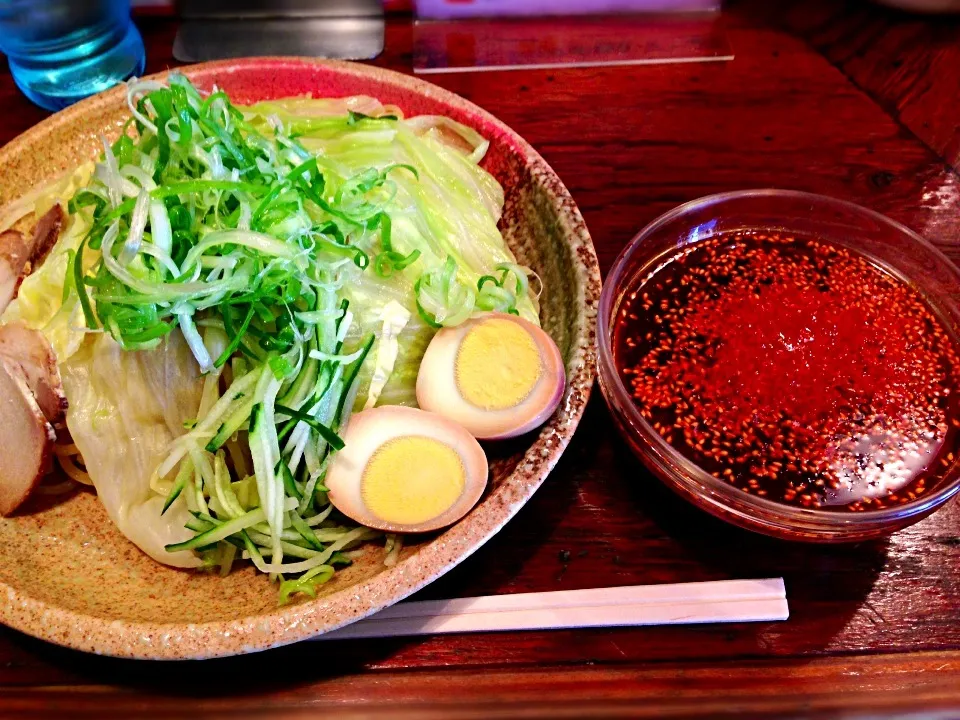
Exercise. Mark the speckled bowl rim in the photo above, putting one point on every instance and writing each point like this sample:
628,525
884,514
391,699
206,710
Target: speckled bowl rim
292,623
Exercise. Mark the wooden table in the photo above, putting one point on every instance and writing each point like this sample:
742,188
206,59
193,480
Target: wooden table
847,100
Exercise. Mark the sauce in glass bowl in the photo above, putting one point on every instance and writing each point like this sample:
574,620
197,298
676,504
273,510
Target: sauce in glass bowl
793,369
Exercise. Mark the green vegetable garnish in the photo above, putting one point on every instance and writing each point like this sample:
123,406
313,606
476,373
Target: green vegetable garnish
271,238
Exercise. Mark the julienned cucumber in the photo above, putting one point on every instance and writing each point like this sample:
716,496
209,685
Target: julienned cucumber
231,425
221,532
351,378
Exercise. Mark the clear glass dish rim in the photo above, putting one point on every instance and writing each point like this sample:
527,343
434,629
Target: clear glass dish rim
734,500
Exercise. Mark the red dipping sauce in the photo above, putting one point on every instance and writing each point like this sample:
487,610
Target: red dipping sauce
794,369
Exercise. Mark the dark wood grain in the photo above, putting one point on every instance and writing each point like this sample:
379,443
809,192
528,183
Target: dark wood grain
827,687
909,65
809,103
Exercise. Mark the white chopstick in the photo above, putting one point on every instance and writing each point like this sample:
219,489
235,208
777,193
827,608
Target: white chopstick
682,603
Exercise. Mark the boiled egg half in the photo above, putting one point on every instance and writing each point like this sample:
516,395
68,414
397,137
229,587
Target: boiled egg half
498,375
406,470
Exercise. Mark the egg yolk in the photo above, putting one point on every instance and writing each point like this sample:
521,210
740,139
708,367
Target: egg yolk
412,479
498,365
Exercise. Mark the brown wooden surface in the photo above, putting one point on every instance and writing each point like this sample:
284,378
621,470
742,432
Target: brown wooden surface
848,100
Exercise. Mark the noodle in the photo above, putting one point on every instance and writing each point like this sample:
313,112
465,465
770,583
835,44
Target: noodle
72,470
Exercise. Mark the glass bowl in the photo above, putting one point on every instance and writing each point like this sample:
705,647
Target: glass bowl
900,250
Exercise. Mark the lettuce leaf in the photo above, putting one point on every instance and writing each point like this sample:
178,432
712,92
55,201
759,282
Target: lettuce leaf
125,410
449,209
40,301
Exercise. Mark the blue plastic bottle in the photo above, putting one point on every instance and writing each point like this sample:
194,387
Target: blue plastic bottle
61,51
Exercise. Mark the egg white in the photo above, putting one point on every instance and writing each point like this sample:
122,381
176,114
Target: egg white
368,430
437,389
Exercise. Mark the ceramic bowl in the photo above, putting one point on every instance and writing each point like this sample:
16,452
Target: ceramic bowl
68,576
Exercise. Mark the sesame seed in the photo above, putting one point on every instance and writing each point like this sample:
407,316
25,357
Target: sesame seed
792,367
